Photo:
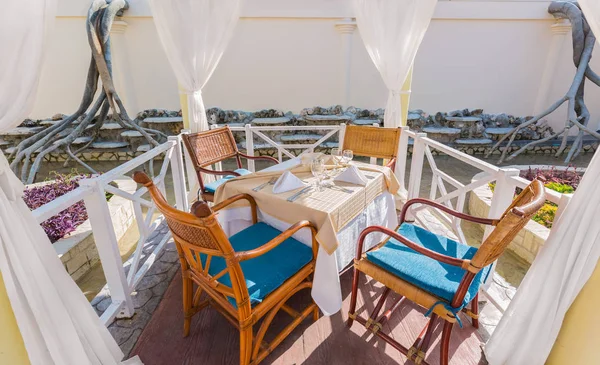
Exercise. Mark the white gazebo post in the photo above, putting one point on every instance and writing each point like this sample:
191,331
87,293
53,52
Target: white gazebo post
121,74
346,28
559,31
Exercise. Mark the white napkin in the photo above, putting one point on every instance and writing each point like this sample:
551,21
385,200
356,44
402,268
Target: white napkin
287,182
352,175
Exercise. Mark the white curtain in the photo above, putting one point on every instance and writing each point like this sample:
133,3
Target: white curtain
530,326
392,31
58,325
194,35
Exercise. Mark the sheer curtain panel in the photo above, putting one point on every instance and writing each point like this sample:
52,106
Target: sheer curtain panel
392,31
194,35
530,326
57,323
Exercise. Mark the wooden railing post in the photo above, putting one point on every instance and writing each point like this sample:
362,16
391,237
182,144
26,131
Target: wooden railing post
108,248
192,179
402,155
249,146
373,160
341,135
178,174
416,166
504,193
562,205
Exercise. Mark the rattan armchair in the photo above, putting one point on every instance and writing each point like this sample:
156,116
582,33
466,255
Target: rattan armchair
210,147
368,141
247,277
435,272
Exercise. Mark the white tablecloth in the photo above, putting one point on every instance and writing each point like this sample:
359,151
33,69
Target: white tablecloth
326,289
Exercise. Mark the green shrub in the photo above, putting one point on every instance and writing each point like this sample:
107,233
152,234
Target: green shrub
561,188
545,216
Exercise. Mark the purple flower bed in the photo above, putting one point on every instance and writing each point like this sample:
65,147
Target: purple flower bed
66,221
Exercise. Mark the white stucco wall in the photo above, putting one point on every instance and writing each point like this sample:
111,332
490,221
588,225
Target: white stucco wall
287,54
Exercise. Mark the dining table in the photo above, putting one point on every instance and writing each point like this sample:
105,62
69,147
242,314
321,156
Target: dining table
340,211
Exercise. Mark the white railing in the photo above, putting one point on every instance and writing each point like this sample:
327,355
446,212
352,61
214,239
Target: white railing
93,192
444,189
507,180
283,149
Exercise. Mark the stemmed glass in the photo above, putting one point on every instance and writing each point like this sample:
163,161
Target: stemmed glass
347,156
336,154
317,167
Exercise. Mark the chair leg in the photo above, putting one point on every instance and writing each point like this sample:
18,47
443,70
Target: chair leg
245,346
188,289
475,310
352,308
445,343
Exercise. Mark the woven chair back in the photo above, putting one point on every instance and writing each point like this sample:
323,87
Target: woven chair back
197,236
516,216
209,147
372,141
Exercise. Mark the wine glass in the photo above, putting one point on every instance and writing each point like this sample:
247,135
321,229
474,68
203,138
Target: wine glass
336,154
317,167
347,156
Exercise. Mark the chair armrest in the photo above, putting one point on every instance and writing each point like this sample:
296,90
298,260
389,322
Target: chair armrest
247,255
268,158
235,198
215,172
410,244
487,221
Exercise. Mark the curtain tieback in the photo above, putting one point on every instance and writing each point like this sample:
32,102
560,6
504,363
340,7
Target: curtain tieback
400,92
194,93
449,308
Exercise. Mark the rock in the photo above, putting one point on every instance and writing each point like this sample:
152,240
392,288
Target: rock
439,118
456,113
351,110
476,112
58,116
502,120
104,304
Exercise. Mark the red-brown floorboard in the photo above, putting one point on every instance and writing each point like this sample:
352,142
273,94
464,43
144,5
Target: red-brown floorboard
328,341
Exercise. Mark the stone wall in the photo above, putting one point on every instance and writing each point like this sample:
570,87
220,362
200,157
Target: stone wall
471,131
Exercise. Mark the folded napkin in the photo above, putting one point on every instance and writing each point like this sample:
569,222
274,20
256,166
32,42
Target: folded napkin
287,182
352,175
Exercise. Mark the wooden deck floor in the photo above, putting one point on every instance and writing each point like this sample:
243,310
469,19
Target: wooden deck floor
328,341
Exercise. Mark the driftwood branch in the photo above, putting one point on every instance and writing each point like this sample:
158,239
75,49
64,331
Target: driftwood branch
578,115
91,114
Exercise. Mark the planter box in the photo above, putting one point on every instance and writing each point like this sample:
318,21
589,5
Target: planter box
530,239
78,251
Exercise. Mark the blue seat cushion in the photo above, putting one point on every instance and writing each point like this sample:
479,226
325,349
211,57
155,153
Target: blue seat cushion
265,273
437,278
212,187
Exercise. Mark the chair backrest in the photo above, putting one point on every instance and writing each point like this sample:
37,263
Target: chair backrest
198,237
372,141
209,147
516,216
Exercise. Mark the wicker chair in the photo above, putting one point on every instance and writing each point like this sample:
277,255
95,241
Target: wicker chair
375,142
210,147
436,272
247,277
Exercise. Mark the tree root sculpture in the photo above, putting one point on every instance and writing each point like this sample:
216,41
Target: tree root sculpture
91,115
578,114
